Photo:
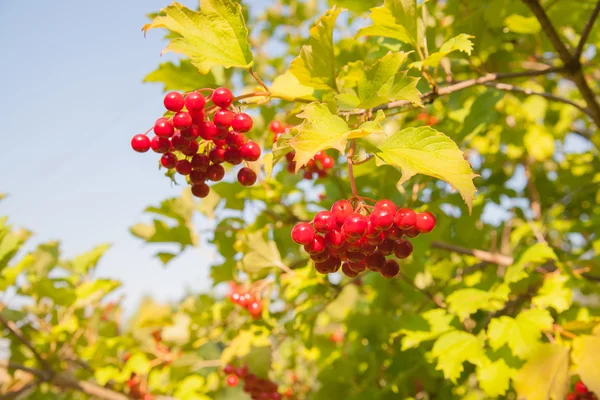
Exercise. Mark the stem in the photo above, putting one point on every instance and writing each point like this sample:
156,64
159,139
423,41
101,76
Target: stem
586,31
350,171
257,78
14,329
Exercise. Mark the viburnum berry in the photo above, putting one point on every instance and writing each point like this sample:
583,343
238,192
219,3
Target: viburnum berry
403,249
276,127
241,122
200,162
168,160
173,101
222,97
194,101
334,239
250,151
390,269
178,142
303,233
232,380
316,246
325,221
182,120
215,172
425,222
580,387
191,149
140,143
183,167
190,133
405,218
233,156
375,261
387,205
229,369
341,209
236,139
246,176
355,225
348,271
163,128
223,119
208,130
382,219
255,308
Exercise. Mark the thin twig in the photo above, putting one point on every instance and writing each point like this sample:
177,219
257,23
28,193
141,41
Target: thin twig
586,31
24,389
16,331
257,78
350,170
486,256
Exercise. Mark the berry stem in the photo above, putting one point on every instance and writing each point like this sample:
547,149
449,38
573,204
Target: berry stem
350,171
257,78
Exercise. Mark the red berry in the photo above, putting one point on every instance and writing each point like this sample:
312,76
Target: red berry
140,143
382,219
183,167
347,271
425,222
316,246
250,151
197,176
386,204
405,218
229,369
327,162
412,233
168,160
255,308
341,209
163,128
160,144
232,381
246,176
324,221
572,396
233,156
200,190
242,122
320,257
173,101
404,248
288,393
394,233
195,101
223,119
355,225
178,142
246,299
190,133
235,139
580,387
375,261
303,233
208,130
390,269
191,149
222,97
200,162
329,266
197,116
358,266
182,120
241,371
276,127
215,172
334,239
387,247
217,155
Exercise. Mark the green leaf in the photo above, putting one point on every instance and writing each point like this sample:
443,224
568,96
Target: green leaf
454,348
8,276
106,373
396,19
427,151
537,254
521,333
165,257
545,375
315,66
539,143
358,6
369,127
217,35
183,77
92,291
288,87
520,24
494,377
83,263
465,302
554,293
424,327
242,346
460,43
585,356
262,254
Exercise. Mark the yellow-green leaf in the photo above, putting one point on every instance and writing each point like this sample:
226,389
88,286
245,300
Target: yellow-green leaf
539,143
520,24
315,66
396,19
262,254
368,127
494,377
288,87
545,375
586,354
184,77
217,35
460,43
454,348
554,293
426,151
521,333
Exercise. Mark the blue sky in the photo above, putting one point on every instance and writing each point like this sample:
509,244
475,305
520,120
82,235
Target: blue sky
71,79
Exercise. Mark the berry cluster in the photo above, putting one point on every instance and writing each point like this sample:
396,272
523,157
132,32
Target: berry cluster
346,237
427,118
196,146
581,392
246,299
136,390
319,165
257,388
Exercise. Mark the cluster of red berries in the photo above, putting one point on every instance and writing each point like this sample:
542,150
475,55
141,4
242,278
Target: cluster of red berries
427,118
245,299
318,166
346,237
136,390
257,388
196,146
581,392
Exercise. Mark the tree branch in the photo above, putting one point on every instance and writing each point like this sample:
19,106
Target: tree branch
67,381
24,389
14,329
486,256
511,88
586,31
572,64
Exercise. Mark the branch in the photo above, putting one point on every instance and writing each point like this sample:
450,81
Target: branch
14,329
24,389
586,31
549,96
572,64
67,382
486,256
